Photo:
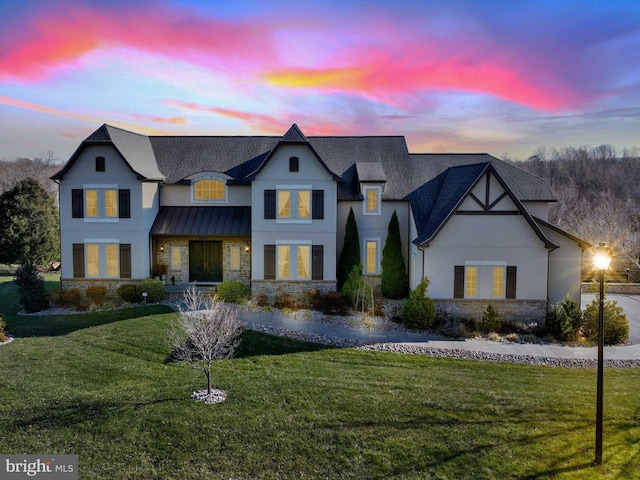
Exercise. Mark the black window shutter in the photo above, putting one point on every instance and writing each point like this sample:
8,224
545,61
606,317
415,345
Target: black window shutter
125,260
77,203
511,281
269,262
78,260
458,282
317,262
269,204
317,205
124,203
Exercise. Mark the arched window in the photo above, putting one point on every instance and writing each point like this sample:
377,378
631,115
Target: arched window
209,189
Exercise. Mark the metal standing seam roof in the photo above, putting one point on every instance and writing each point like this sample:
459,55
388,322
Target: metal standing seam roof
203,221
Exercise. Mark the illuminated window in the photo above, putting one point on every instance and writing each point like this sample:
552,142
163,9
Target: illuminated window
304,204
111,203
93,260
284,262
372,200
111,253
371,259
176,258
235,258
498,282
471,282
303,261
91,203
284,204
208,190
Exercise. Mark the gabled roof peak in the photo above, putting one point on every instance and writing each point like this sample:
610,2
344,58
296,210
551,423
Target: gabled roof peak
295,135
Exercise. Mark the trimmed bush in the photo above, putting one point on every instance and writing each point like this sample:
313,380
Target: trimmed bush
3,330
31,288
395,282
66,298
616,325
128,293
490,320
285,300
419,311
230,291
566,320
97,294
154,288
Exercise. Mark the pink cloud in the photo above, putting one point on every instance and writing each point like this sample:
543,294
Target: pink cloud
59,36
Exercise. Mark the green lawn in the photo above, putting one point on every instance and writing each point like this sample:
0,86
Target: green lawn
100,386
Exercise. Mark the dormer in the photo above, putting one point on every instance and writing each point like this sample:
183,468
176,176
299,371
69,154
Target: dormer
371,181
209,187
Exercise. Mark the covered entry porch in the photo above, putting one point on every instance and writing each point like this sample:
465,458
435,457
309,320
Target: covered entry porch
206,245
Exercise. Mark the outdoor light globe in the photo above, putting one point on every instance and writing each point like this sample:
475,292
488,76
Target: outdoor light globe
602,257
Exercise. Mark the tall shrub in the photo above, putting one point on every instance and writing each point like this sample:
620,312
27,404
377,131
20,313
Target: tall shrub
31,288
394,272
565,321
350,255
419,311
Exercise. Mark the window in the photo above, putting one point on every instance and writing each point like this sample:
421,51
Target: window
304,258
471,282
100,166
102,259
209,190
284,261
498,282
293,164
371,256
176,258
235,258
484,279
294,205
372,200
101,203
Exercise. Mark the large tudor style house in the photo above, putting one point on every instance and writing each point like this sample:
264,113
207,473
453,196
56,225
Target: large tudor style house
271,212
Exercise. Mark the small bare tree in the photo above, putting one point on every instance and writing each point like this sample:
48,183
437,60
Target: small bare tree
206,330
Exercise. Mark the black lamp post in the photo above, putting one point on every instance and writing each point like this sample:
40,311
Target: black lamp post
602,259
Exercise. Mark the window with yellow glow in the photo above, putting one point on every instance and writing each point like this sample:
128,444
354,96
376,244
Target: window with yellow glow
176,258
112,252
93,260
471,282
235,258
284,204
111,203
372,200
304,204
91,203
371,266
284,262
303,261
498,281
209,189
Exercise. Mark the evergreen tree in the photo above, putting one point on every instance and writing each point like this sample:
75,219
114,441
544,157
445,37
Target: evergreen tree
350,255
29,228
394,273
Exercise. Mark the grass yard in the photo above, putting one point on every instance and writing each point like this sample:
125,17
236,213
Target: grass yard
99,385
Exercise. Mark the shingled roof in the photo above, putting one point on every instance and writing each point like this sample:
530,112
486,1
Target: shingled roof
350,159
135,150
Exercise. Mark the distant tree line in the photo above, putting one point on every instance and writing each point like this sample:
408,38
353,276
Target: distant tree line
598,192
41,168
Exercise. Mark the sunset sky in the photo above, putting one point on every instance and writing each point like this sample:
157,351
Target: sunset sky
495,76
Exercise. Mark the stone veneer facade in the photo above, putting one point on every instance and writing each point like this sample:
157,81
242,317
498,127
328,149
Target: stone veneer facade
180,275
527,311
297,289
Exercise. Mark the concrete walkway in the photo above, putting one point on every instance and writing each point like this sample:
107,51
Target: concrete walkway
627,352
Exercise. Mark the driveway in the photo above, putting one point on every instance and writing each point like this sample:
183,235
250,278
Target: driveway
631,306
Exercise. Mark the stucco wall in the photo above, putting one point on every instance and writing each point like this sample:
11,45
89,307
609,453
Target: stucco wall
487,238
180,195
132,230
311,175
564,267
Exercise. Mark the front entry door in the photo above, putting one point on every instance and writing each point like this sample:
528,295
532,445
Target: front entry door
205,261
